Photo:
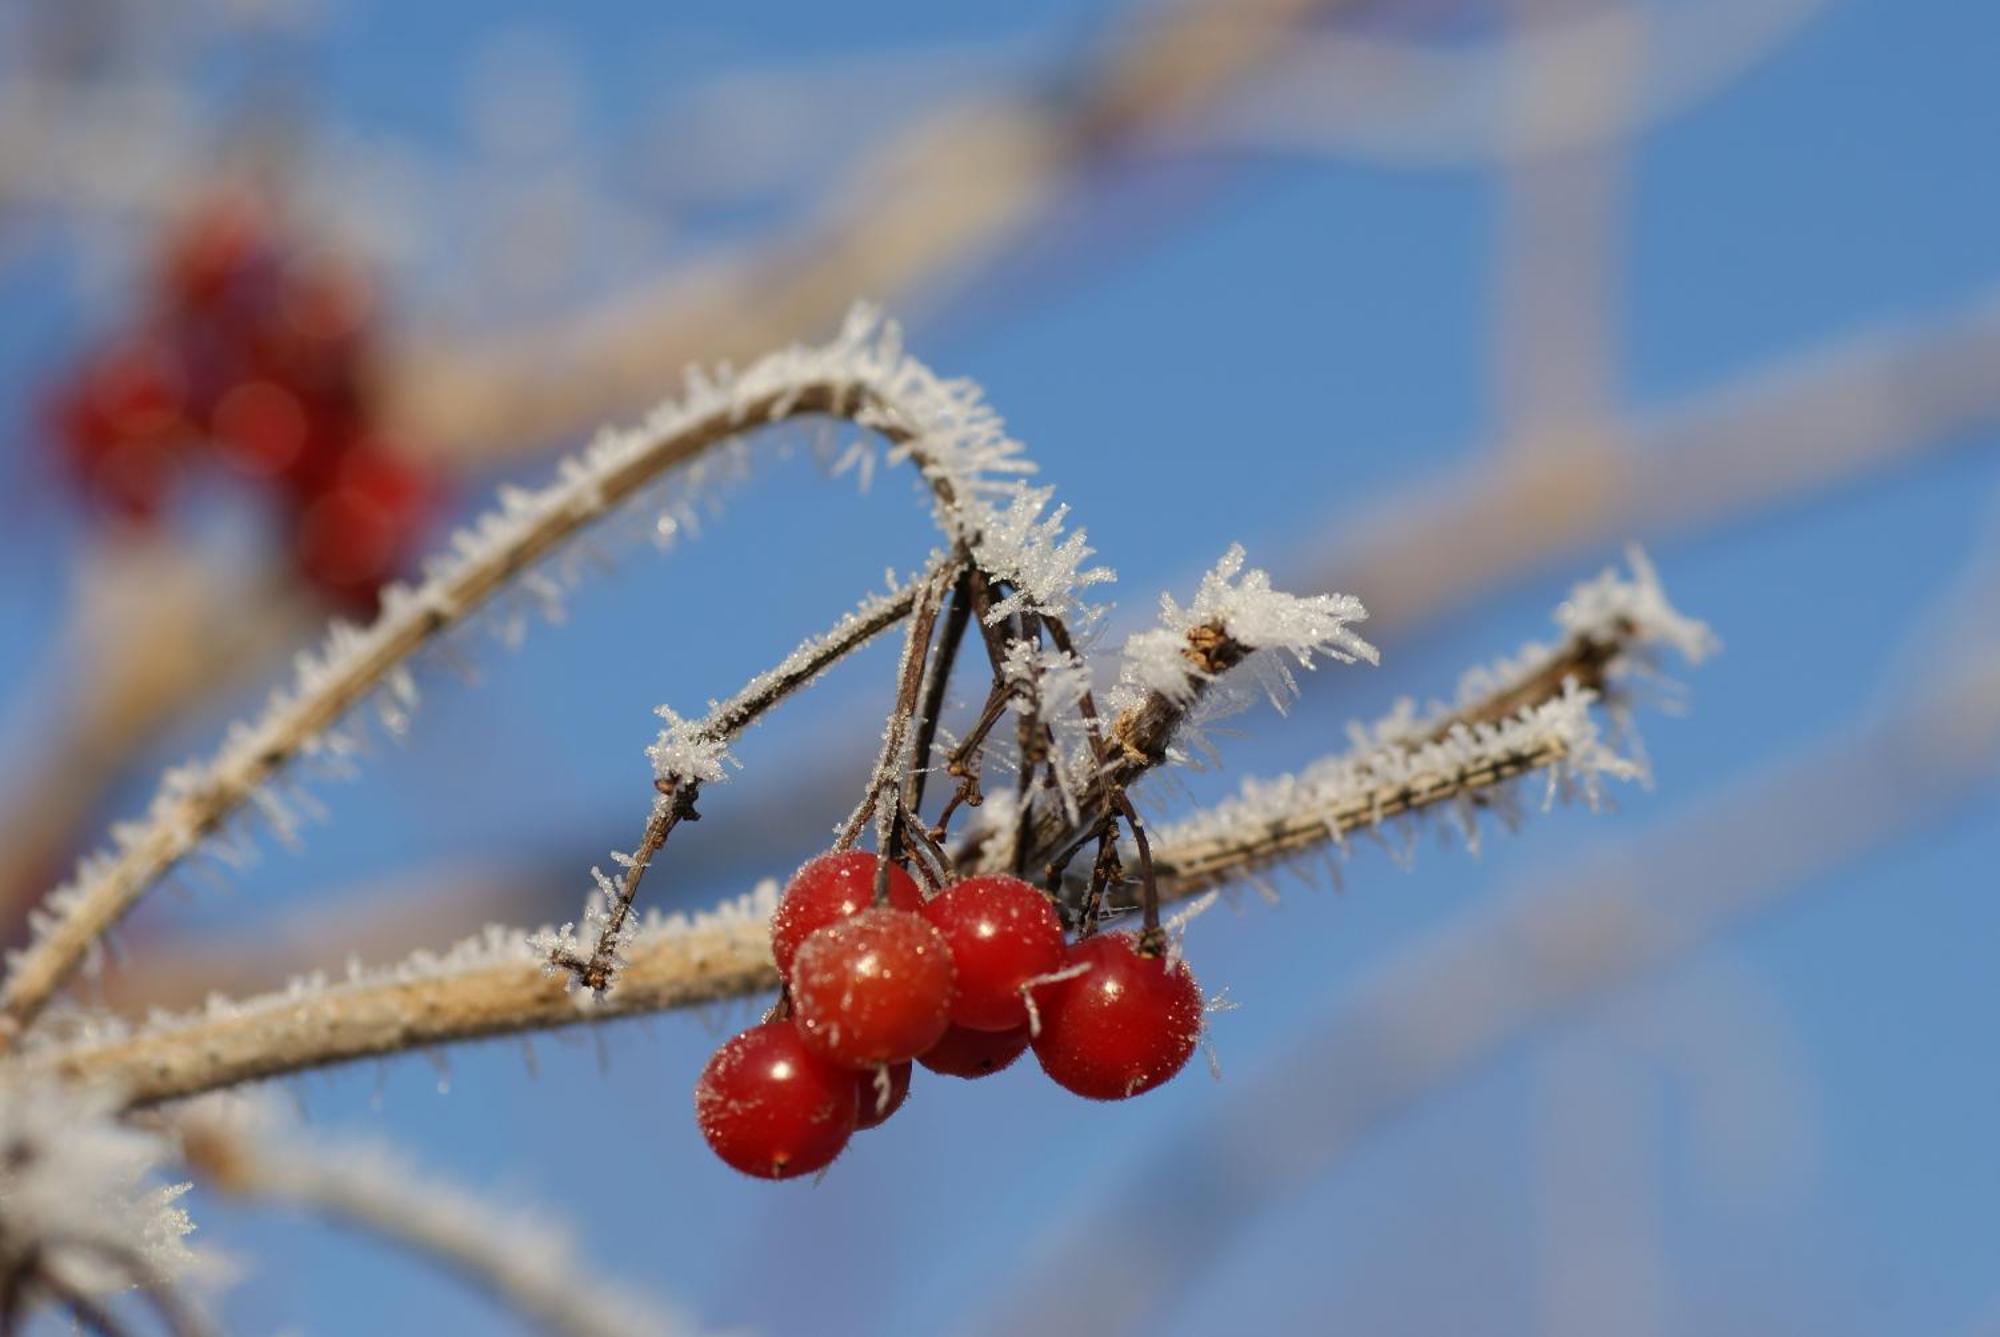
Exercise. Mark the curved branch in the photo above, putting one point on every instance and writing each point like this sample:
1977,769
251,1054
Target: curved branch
516,1256
862,376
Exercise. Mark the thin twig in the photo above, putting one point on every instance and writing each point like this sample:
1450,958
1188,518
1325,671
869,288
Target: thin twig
677,794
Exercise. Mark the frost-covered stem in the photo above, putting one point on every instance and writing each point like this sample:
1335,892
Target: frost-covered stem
935,864
677,793
90,1316
516,1258
1104,869
729,958
1194,866
1086,705
1138,742
31,1273
963,763
675,805
1585,658
287,1033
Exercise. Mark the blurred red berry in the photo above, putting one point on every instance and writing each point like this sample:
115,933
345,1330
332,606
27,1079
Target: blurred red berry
217,257
123,425
363,527
261,427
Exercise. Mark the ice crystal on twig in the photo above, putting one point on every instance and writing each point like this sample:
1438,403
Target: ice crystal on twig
1275,627
688,750
1029,551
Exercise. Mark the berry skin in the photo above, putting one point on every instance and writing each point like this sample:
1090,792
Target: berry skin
875,1110
873,988
965,1052
828,888
1123,1026
1002,933
770,1107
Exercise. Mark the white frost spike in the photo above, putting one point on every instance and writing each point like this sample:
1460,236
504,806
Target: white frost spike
1028,987
1274,625
1177,924
1030,552
686,750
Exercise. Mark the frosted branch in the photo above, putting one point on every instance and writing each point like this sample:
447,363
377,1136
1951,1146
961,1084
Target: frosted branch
942,427
1235,616
511,1252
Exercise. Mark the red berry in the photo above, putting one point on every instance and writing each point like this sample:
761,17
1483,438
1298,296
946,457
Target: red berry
124,422
1123,1026
261,427
873,988
828,888
217,252
356,535
770,1107
876,1104
1002,933
965,1052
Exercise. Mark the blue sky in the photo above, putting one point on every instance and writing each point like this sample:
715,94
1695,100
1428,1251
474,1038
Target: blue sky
1259,348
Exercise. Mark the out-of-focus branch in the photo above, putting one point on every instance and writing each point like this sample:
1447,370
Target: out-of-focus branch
1808,425
515,1256
947,432
152,632
922,205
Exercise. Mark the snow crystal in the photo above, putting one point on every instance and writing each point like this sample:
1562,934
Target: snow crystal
1029,551
687,750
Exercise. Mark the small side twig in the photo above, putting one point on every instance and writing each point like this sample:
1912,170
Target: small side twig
677,793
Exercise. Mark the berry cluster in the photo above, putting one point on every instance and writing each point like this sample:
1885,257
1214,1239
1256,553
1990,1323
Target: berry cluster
961,982
251,350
